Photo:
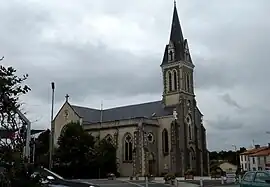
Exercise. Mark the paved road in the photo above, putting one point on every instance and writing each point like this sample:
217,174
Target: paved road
120,183
209,183
116,183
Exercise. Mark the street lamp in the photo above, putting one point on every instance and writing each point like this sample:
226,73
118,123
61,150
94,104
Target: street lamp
52,130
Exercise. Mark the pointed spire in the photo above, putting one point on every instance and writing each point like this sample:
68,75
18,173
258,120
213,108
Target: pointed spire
176,31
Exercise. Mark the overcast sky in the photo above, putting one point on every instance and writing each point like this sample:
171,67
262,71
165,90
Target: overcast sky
111,51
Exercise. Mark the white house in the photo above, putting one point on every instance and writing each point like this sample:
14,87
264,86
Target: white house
262,160
250,160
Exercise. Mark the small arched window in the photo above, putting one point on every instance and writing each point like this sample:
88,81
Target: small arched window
128,148
165,141
170,81
170,55
175,78
187,82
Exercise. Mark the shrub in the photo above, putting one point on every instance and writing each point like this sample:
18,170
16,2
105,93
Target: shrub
169,176
189,172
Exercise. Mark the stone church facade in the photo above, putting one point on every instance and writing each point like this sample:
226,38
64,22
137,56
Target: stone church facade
155,137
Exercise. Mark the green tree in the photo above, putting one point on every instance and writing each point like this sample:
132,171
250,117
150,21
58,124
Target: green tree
106,158
42,148
76,149
11,88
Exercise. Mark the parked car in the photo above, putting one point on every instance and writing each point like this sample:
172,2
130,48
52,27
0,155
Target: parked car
54,180
256,179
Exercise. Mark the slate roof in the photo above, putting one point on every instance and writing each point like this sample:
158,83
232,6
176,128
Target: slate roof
146,110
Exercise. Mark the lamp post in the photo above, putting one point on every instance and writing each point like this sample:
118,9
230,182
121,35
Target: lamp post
52,130
236,156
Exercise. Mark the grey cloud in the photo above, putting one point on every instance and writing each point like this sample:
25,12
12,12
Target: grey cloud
227,99
229,44
225,124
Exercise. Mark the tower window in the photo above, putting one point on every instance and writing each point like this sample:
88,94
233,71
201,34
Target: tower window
186,53
170,55
170,81
187,83
175,79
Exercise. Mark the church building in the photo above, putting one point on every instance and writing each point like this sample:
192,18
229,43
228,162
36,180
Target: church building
157,137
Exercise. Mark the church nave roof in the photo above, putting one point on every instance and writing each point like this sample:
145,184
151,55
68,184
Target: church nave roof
147,110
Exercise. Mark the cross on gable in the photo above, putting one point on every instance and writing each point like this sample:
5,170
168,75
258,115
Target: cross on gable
67,96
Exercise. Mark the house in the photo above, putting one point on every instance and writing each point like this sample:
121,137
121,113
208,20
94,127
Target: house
248,159
262,159
224,167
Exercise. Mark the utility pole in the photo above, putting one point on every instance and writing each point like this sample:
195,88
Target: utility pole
52,130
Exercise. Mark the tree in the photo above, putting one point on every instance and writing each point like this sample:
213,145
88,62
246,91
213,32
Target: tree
42,148
106,158
230,156
82,155
11,88
76,150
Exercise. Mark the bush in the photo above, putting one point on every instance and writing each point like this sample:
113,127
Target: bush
19,175
169,176
189,172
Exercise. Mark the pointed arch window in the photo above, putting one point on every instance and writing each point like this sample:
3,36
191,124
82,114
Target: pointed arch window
189,123
165,141
175,78
189,132
171,51
186,53
187,82
170,55
170,80
128,148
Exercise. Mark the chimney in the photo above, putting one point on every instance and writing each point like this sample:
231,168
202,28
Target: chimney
257,146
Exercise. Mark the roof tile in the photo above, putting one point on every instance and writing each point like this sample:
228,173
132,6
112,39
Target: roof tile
265,152
254,150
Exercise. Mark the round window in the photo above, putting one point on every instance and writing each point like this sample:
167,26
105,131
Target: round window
150,137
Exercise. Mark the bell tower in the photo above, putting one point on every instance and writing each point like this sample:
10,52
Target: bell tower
177,66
